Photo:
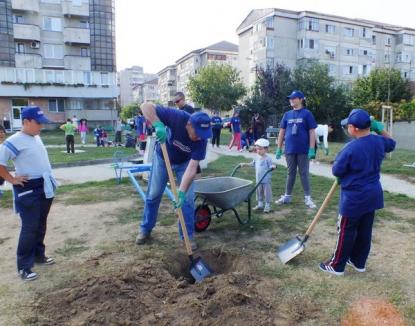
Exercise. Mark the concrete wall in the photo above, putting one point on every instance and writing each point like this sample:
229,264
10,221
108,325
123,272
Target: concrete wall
404,134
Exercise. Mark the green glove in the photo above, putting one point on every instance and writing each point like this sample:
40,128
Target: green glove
160,129
311,153
278,153
181,199
376,126
326,151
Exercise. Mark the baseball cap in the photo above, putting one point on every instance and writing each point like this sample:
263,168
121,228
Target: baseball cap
34,113
201,123
262,142
359,118
296,94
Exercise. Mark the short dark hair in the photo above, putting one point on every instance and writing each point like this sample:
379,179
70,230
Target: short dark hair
69,120
181,94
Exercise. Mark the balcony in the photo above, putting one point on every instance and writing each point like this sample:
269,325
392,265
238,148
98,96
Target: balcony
76,36
75,62
26,5
26,32
69,9
26,60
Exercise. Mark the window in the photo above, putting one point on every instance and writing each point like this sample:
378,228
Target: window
56,105
53,24
59,77
388,41
408,39
349,52
269,22
405,74
20,48
84,24
269,42
312,24
331,29
18,19
330,51
300,44
332,69
53,51
387,58
84,52
311,44
104,78
348,70
364,70
366,32
374,39
87,77
49,76
348,32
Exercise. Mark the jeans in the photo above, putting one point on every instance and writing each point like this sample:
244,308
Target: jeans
83,137
157,184
301,162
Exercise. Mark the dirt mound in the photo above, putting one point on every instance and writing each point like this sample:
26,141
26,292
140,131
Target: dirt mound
372,312
156,293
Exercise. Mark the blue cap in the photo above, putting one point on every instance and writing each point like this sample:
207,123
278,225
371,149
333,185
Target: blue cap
359,118
201,123
296,94
34,113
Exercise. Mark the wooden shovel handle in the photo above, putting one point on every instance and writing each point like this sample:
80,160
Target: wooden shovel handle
174,191
322,208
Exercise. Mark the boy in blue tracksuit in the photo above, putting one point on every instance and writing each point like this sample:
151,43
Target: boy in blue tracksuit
357,167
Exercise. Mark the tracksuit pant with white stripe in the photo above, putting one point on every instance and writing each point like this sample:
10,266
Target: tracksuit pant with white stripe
353,242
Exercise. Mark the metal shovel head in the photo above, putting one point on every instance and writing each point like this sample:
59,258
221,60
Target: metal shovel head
290,249
200,270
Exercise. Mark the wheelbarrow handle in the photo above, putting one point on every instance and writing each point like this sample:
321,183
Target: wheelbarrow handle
236,168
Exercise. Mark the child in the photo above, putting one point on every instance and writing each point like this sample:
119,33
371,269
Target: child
83,129
262,164
33,188
69,129
236,131
357,167
98,136
247,139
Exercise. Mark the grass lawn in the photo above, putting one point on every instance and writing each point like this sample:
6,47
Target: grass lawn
98,242
57,137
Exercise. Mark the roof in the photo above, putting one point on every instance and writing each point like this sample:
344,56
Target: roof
220,46
257,14
165,69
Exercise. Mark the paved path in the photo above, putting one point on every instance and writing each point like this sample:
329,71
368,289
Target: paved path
101,172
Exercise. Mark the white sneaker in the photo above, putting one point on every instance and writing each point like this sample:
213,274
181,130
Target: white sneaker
309,202
284,199
258,207
357,269
267,208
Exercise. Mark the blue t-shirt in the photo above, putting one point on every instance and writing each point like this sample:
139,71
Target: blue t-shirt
236,124
179,146
358,167
216,122
297,124
140,125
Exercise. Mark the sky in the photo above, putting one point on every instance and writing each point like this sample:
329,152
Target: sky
155,33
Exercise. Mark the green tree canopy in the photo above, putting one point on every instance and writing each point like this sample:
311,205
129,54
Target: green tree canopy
129,111
216,87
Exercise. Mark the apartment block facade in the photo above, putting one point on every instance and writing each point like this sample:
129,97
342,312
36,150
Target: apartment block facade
167,84
59,55
349,47
146,92
128,79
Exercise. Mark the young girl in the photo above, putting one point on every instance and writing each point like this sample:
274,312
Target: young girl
262,164
83,129
236,131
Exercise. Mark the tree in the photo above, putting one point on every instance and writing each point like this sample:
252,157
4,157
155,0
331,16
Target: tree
329,101
129,111
216,87
382,85
406,110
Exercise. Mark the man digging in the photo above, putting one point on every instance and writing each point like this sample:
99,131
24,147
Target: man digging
186,140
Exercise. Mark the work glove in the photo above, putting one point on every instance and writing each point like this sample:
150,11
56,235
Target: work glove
311,153
376,126
326,151
161,132
180,200
278,153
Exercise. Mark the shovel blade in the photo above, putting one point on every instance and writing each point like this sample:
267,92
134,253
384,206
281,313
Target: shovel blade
200,270
290,249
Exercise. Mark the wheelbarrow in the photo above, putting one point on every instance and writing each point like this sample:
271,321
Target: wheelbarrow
222,194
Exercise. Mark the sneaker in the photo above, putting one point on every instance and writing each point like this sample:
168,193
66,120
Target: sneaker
259,206
142,238
357,269
328,269
45,261
284,199
309,202
267,208
27,275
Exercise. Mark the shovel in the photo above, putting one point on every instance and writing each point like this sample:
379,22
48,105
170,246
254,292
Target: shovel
198,268
296,246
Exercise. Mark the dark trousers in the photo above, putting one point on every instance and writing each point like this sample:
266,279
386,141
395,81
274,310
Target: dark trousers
301,162
100,141
70,144
354,240
216,137
33,207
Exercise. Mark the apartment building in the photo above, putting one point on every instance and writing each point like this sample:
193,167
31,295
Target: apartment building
167,85
146,92
59,55
128,79
350,47
223,53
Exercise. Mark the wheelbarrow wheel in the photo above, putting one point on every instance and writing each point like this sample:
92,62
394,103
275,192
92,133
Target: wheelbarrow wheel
203,216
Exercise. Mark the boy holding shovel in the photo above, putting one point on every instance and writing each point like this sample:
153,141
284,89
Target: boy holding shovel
357,168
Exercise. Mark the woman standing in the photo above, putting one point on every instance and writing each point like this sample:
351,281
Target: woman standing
236,131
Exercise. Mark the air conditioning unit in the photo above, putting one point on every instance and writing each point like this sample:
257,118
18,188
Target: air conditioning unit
35,45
